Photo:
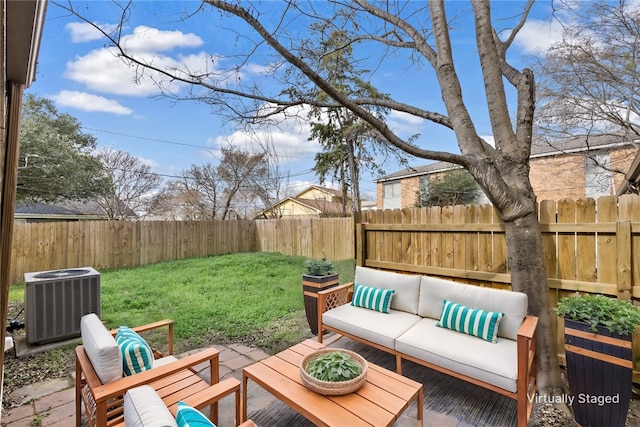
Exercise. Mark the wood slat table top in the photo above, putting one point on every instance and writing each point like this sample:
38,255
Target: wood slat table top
380,401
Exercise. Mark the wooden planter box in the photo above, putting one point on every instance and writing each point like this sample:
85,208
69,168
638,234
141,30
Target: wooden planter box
311,285
600,374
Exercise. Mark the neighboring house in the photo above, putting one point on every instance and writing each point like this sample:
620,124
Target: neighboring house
314,201
573,168
63,211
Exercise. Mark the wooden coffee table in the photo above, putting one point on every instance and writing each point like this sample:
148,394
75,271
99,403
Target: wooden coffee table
379,402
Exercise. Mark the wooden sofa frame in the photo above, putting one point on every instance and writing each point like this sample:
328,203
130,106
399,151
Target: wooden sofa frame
176,380
526,344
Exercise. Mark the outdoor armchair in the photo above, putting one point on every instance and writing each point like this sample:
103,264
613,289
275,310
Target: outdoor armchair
101,386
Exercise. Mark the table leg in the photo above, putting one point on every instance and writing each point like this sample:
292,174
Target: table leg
420,403
243,416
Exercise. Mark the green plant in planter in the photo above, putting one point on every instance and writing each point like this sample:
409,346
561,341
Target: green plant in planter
334,366
621,317
319,267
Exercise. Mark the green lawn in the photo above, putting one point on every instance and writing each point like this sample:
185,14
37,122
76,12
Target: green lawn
253,298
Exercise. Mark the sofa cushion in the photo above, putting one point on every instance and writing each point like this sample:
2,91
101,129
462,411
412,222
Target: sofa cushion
370,325
513,304
495,364
186,416
372,298
101,348
471,321
136,354
407,286
144,408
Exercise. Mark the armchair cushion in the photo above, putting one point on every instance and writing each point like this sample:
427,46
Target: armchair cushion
101,348
144,408
137,356
191,417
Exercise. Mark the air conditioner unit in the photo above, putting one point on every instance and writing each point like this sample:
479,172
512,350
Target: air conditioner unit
56,300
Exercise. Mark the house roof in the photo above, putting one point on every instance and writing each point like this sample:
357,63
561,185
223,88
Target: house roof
24,21
330,191
70,209
322,206
576,144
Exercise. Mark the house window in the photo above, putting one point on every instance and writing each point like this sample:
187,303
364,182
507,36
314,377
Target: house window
392,197
598,176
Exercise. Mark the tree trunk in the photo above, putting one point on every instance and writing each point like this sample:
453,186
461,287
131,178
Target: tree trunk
528,275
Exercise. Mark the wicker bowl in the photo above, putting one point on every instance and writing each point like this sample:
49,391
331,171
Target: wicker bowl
331,388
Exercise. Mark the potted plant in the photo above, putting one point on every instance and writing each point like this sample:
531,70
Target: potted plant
333,371
597,331
320,274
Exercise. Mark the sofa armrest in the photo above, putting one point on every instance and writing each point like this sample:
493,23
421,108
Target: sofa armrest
332,298
527,370
151,326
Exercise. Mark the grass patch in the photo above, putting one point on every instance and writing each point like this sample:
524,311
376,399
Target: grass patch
252,298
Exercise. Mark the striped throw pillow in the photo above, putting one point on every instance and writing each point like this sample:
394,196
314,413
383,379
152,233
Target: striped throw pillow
471,321
372,298
186,416
136,353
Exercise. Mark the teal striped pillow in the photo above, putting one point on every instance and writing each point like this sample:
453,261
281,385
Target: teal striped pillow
186,416
471,321
136,353
372,298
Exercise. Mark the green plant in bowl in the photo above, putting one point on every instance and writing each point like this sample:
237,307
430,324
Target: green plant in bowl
334,366
621,317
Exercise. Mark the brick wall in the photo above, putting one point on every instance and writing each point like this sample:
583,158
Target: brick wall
558,177
409,188
552,178
621,160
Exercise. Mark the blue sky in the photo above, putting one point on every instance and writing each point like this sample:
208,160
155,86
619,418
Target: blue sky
84,79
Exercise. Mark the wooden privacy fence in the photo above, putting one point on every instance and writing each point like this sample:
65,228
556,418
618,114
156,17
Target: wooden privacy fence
589,246
114,244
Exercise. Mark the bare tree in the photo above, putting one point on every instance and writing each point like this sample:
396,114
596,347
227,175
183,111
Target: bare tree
422,31
236,169
132,184
589,81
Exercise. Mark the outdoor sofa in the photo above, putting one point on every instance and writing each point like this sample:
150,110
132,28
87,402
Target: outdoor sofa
430,321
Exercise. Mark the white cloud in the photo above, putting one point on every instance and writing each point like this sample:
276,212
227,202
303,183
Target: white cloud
149,40
404,124
104,70
88,102
85,32
489,139
537,36
288,135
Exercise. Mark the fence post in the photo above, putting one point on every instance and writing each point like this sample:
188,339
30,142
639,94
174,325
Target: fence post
623,259
361,244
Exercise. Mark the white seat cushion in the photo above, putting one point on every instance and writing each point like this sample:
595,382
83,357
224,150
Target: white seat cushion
374,326
164,360
495,364
144,408
101,348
